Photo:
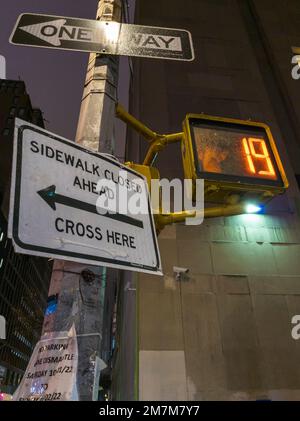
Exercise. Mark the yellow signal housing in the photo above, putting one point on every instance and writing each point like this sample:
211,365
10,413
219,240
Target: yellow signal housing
237,159
149,172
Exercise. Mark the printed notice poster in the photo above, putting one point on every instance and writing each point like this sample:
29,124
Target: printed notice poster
51,372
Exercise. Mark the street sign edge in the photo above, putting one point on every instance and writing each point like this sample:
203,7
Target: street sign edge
13,180
15,28
140,269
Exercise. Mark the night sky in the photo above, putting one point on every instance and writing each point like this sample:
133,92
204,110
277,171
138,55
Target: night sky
54,79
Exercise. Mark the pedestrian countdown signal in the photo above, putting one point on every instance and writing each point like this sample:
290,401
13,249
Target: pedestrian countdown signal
232,156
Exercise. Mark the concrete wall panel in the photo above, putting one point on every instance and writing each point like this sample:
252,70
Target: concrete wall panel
162,376
227,327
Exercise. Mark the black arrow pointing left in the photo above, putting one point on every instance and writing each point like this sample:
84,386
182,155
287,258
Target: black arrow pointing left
52,198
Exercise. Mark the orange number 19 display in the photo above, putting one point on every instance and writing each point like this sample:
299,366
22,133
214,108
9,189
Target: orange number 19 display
250,147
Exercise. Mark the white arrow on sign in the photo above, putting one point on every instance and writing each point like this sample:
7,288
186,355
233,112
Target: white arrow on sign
56,31
45,33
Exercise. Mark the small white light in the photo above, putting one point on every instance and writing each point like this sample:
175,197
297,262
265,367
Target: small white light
251,208
112,31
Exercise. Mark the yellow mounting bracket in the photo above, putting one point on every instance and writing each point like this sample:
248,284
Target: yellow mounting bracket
161,220
157,142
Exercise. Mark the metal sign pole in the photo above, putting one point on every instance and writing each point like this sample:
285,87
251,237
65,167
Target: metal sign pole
78,291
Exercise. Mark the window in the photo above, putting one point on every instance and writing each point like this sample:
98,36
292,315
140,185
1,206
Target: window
9,122
21,112
12,111
19,90
6,132
298,179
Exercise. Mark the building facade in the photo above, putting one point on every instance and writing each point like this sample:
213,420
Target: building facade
24,280
225,332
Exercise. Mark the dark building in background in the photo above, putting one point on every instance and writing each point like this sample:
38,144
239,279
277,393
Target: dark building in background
225,332
24,280
14,102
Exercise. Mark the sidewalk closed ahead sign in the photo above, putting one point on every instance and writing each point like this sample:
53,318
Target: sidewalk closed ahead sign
71,203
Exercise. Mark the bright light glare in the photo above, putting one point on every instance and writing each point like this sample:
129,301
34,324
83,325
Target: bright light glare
251,208
112,31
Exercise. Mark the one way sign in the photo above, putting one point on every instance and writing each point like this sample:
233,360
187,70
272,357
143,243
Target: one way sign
102,37
71,203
